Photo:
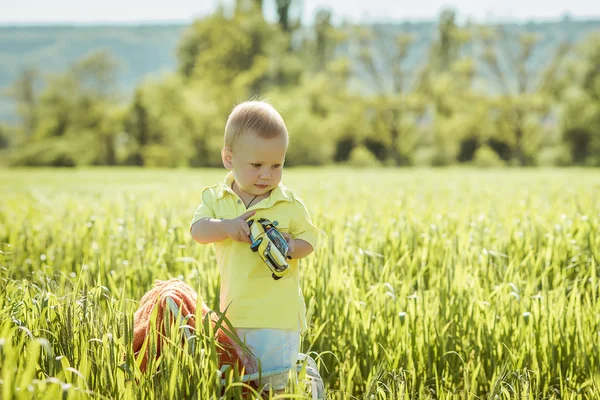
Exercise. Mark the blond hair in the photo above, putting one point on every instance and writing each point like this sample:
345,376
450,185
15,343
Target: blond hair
258,117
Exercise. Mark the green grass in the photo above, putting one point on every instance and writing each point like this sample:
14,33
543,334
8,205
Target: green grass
428,284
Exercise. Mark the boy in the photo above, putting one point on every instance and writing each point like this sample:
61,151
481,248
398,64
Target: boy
268,314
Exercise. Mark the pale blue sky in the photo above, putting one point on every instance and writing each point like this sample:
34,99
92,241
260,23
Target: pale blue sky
116,11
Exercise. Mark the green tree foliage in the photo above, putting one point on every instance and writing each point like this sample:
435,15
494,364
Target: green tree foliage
516,111
232,57
4,138
486,157
171,124
72,120
260,62
319,115
24,93
348,93
361,157
285,10
446,81
390,109
580,102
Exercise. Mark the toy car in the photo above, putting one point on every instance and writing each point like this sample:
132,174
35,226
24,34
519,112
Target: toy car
270,245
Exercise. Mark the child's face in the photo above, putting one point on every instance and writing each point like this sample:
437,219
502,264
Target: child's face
256,162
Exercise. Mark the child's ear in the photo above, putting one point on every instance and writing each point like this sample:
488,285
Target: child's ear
226,157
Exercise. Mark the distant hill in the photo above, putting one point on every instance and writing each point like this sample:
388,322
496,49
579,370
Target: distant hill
140,50
149,49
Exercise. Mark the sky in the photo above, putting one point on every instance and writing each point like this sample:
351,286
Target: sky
17,12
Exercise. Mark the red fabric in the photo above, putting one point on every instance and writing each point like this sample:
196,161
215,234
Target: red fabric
186,298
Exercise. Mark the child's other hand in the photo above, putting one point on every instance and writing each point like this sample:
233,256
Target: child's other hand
237,228
291,243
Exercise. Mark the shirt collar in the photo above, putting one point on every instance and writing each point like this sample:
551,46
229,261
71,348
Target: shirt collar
280,193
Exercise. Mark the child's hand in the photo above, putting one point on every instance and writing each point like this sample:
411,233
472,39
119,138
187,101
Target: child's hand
291,243
237,228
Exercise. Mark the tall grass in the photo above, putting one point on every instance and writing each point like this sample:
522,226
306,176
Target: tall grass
427,284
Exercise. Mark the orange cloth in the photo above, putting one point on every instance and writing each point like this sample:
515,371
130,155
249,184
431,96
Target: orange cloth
186,298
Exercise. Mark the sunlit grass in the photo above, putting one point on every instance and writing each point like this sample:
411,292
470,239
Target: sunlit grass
428,283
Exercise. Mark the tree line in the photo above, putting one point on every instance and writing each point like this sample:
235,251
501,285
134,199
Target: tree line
442,114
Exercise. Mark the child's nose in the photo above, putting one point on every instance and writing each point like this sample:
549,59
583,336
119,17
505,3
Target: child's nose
265,174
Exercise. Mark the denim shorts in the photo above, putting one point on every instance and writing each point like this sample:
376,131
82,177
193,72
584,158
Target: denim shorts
274,349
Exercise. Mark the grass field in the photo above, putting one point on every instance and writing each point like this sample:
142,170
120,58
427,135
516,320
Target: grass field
433,284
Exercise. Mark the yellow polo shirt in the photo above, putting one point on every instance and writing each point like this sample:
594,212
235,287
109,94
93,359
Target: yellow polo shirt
252,298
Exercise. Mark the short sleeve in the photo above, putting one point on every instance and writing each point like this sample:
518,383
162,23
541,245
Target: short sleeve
206,207
302,226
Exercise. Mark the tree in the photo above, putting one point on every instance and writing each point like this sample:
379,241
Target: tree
446,49
284,14
390,108
171,123
518,110
25,94
444,53
230,52
4,138
446,82
75,117
580,100
137,127
325,39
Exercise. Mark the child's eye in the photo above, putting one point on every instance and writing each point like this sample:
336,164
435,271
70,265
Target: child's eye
255,165
276,166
